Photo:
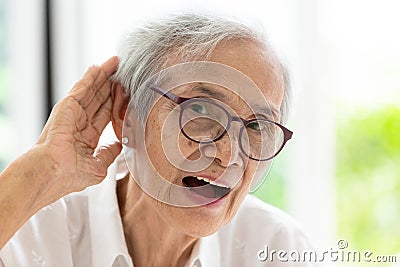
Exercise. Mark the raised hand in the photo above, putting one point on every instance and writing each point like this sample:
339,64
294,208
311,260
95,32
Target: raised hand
66,158
73,129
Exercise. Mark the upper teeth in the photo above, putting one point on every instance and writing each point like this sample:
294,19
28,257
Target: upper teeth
211,181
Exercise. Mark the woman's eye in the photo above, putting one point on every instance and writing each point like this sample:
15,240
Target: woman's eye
199,108
254,126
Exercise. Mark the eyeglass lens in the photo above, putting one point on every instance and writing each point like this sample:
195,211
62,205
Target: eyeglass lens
206,121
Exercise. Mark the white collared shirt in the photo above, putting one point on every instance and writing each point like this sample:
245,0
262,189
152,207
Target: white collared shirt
85,229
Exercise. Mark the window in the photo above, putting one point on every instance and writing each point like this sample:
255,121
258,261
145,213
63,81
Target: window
21,77
5,125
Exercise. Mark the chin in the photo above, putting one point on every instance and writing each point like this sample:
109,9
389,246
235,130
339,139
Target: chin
196,230
197,223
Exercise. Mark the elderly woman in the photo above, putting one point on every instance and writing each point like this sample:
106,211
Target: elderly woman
197,103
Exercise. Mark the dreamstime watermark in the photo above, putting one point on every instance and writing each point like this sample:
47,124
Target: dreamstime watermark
339,254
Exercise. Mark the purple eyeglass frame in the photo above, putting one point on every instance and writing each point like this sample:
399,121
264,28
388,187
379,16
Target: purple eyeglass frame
183,102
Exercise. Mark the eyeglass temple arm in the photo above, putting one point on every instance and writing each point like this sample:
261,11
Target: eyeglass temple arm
168,94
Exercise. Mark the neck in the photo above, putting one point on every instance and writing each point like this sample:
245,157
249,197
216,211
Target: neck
150,240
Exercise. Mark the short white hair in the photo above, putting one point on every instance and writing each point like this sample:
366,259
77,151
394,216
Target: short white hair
186,37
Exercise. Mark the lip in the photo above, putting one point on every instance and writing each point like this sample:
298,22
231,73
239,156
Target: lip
218,200
205,201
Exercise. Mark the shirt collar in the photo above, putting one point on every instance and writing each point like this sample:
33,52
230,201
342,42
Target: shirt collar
206,252
108,240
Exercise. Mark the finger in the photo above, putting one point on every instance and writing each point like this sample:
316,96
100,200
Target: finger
103,116
68,115
91,134
100,97
104,156
110,66
94,78
89,137
100,74
102,88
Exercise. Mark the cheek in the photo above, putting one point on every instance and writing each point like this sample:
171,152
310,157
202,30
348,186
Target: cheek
166,146
154,148
241,191
252,170
188,149
247,179
175,144
237,200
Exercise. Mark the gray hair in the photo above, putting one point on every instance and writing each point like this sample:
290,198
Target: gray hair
186,37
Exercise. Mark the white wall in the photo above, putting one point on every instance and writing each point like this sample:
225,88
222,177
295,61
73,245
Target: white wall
25,41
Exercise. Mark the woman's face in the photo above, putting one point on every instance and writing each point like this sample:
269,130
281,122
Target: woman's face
225,155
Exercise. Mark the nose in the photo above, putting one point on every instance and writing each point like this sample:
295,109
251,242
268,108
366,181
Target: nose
228,150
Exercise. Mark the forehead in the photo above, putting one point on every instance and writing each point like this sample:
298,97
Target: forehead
255,63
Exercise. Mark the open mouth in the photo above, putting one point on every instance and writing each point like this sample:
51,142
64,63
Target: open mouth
197,184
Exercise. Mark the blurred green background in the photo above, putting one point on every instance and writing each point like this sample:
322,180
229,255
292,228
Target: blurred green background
368,178
272,190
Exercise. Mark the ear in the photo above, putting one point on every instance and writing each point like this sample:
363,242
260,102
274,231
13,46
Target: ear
120,103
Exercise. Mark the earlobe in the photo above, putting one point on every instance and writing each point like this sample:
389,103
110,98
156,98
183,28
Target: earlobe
120,103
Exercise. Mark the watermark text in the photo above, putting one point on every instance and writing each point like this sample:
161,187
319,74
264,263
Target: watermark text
339,254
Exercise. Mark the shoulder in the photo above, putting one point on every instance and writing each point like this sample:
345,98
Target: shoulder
255,218
257,226
63,231
48,234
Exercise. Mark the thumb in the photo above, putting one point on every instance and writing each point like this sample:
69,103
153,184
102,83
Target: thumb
105,155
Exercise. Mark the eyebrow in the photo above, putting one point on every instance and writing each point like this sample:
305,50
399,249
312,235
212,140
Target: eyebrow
211,93
267,112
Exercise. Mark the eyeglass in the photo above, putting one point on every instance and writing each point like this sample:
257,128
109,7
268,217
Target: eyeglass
203,120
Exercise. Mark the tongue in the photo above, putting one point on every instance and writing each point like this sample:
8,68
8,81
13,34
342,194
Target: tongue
203,188
199,186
